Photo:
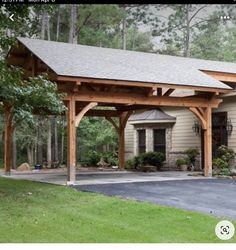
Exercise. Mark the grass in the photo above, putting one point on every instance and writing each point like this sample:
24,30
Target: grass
37,212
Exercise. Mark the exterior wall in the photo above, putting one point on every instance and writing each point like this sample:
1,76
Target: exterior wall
129,141
183,136
180,136
229,106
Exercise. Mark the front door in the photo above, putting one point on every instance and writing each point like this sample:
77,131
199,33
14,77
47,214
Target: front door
219,133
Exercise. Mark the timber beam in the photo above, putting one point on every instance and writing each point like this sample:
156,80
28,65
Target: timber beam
101,113
124,83
133,99
221,76
80,115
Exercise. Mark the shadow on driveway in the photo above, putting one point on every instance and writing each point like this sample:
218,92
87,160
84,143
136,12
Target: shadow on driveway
212,196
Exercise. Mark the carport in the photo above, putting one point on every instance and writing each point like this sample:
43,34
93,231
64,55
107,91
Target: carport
123,81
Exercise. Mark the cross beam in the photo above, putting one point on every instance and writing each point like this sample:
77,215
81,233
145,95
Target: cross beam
124,98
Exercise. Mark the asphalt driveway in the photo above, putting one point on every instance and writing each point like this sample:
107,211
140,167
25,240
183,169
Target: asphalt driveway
211,196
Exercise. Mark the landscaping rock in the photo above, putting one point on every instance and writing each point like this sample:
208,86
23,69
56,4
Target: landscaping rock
102,163
24,167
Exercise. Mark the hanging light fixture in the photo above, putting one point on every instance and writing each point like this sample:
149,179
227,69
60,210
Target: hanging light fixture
229,127
196,127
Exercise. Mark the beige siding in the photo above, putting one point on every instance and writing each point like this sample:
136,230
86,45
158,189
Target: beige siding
183,136
129,141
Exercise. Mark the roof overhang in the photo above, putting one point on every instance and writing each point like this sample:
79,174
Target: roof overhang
26,44
151,122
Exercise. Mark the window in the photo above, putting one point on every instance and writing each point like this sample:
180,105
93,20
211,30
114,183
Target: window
159,140
141,141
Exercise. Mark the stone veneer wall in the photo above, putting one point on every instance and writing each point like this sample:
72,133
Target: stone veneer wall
171,156
149,137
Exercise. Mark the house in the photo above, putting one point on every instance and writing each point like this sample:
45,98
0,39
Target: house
173,130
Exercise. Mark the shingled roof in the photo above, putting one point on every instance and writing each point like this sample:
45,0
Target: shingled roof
151,116
104,63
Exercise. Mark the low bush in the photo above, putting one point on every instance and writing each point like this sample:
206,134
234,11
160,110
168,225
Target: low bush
92,158
225,172
150,158
223,161
153,158
192,154
225,153
182,161
111,158
220,163
130,164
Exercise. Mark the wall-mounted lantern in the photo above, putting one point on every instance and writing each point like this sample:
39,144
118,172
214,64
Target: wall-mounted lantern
229,127
196,127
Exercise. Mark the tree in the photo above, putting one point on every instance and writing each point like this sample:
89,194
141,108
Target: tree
20,98
216,41
73,37
178,28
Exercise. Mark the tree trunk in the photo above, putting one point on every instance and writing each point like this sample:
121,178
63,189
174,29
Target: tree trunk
8,132
187,35
73,24
49,145
14,150
39,159
62,146
48,27
43,24
124,34
29,155
58,23
55,140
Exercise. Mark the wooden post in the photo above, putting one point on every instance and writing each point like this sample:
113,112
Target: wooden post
204,116
121,140
208,143
71,142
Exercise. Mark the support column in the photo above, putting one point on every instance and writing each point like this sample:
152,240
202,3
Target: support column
204,116
208,143
71,142
121,139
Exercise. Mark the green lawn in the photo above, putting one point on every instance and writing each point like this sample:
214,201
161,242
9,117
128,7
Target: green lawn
36,212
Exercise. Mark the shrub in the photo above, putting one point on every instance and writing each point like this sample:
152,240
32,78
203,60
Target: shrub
225,153
111,158
182,161
130,164
192,154
152,158
220,163
138,162
92,158
224,171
